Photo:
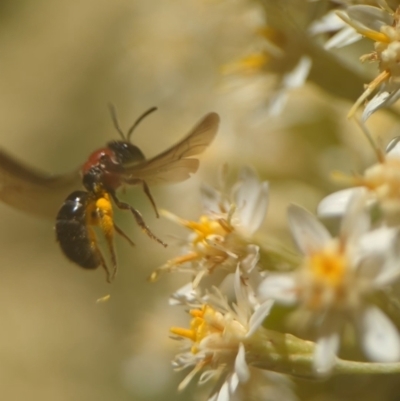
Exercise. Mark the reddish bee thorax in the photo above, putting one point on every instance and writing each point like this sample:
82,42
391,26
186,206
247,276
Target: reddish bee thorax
99,157
105,165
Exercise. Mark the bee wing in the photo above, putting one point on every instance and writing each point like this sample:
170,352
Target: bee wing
176,164
32,191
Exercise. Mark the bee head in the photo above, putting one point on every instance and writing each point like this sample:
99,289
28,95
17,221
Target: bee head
125,152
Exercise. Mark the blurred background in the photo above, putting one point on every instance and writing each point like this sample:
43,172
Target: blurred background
61,63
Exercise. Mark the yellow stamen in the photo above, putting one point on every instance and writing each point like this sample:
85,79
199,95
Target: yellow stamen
383,76
250,64
203,324
187,333
205,227
369,33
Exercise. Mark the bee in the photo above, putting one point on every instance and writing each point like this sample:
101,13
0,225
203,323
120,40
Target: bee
91,210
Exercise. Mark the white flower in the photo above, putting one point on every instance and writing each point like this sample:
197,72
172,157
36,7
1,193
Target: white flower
218,340
382,183
334,283
293,72
383,27
221,239
330,22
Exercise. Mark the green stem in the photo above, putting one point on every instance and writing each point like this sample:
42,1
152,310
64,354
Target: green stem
285,353
365,368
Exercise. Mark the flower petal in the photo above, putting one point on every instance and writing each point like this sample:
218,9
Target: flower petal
376,103
380,338
241,369
259,316
335,205
251,197
293,79
308,233
393,148
183,296
325,353
224,393
371,17
356,220
346,36
280,287
330,22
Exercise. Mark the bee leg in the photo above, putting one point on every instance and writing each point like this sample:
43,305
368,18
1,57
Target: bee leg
148,194
122,234
109,278
95,249
138,217
146,190
107,226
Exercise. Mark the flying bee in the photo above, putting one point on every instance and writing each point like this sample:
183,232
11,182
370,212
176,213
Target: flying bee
83,212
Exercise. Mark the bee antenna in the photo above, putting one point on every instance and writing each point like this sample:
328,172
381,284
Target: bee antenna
113,112
137,122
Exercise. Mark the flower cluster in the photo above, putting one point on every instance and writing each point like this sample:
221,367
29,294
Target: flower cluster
382,25
336,282
226,315
255,324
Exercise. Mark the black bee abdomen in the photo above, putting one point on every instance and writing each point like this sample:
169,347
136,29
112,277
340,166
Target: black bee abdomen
72,233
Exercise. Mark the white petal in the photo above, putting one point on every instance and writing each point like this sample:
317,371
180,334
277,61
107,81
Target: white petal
281,287
377,102
385,97
233,382
241,368
328,23
299,74
371,17
277,102
183,295
308,233
356,220
259,316
325,353
249,262
251,197
224,394
380,337
346,36
336,204
378,241
393,148
390,271
241,294
378,263
293,79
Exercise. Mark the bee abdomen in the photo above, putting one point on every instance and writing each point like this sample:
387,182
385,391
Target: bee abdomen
72,233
